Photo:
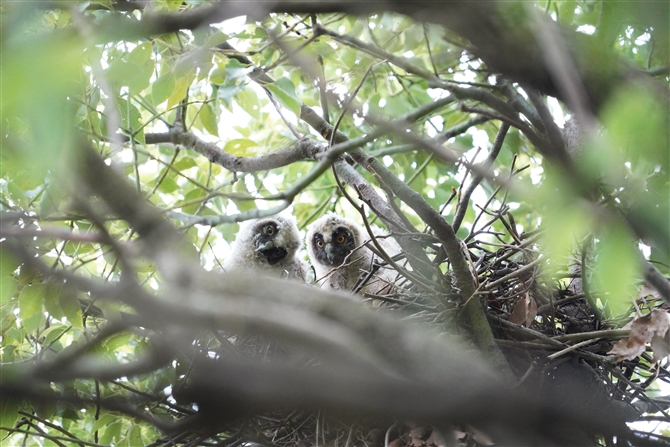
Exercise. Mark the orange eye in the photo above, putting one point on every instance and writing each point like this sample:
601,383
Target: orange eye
269,230
320,243
340,239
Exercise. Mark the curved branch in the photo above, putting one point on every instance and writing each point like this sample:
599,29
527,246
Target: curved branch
301,150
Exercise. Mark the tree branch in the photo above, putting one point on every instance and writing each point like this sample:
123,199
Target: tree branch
304,148
464,201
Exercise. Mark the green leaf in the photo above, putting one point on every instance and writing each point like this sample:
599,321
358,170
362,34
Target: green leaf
71,309
324,50
638,121
184,163
111,433
134,437
239,147
53,333
104,420
162,88
617,268
168,185
349,56
227,92
181,86
248,100
52,300
218,75
8,282
41,76
565,221
31,301
9,413
118,341
208,119
194,194
235,69
284,90
123,73
141,54
217,38
127,113
465,141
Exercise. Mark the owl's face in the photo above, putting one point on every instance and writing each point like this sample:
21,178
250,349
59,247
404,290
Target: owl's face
332,247
268,243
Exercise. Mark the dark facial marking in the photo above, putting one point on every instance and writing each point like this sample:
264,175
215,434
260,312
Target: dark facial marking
266,233
343,243
319,246
274,255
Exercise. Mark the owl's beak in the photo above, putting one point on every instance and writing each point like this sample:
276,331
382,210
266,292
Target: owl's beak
265,246
329,253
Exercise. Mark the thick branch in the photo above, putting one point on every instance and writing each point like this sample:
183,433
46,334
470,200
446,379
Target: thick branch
301,150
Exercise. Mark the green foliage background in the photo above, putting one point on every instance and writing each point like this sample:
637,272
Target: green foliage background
65,74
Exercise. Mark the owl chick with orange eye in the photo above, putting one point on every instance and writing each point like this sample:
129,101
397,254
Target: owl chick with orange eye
336,247
268,246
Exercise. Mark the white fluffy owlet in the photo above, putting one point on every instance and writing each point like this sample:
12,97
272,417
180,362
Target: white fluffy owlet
340,258
269,246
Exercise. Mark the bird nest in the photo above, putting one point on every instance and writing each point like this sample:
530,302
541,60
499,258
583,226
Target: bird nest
552,332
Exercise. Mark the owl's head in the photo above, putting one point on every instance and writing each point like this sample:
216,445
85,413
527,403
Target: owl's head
332,238
272,238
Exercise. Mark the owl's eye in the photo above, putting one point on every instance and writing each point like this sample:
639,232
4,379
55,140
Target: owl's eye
340,239
269,230
319,243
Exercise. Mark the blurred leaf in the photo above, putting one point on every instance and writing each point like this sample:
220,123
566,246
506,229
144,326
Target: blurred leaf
69,304
616,268
565,219
218,75
117,341
26,65
284,91
162,88
193,196
181,87
228,92
235,69
31,301
53,333
239,147
141,54
168,185
8,266
638,122
104,420
52,293
9,414
123,73
248,100
50,200
208,119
